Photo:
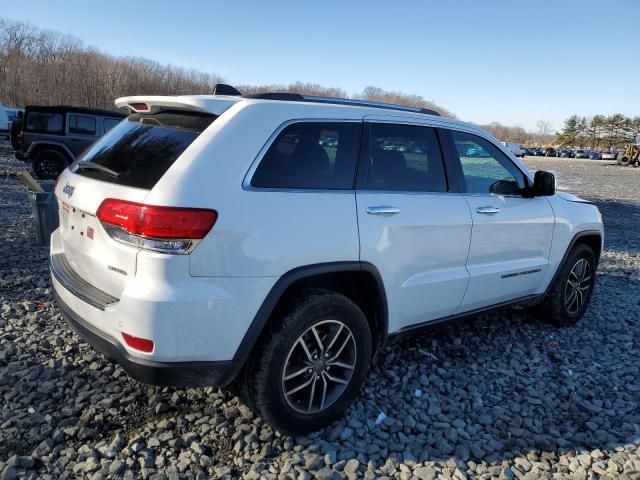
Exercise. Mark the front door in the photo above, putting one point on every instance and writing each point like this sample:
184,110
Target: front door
512,233
411,228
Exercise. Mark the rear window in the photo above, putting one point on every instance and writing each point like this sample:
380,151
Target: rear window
42,122
141,148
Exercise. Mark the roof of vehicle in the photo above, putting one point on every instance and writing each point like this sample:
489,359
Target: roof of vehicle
225,95
69,108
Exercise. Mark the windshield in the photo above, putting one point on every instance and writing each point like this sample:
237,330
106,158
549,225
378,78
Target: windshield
141,148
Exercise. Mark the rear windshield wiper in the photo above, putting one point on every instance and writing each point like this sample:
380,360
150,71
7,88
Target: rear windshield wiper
83,165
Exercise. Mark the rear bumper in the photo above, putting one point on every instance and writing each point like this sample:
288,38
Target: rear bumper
177,374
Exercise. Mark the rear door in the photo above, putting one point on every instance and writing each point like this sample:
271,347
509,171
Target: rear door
124,164
82,131
511,238
413,227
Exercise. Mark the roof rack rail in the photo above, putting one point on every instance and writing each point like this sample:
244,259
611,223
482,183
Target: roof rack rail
296,97
293,97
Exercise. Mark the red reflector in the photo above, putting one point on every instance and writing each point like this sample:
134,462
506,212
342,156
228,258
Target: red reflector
138,343
157,222
140,107
20,138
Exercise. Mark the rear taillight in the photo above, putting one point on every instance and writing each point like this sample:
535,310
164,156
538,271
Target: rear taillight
20,138
161,229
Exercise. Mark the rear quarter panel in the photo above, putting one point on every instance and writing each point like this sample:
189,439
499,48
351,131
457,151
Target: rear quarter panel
258,232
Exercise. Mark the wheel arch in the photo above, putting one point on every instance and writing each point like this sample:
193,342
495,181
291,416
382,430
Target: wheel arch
38,146
591,238
359,281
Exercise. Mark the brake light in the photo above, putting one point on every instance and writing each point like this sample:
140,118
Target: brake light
162,229
138,343
139,107
20,138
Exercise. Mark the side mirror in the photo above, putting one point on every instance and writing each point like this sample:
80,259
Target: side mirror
544,184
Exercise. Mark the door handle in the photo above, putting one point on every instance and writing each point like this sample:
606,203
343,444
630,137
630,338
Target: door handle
383,210
487,210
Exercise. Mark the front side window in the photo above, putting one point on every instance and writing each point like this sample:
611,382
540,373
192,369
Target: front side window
311,155
405,158
44,122
82,124
485,168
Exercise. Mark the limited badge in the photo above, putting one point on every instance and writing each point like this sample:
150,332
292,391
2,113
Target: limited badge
90,233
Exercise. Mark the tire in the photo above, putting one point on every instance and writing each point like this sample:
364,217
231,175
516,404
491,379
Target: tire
278,400
49,164
558,306
624,161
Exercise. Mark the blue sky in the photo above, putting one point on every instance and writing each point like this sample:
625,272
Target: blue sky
515,62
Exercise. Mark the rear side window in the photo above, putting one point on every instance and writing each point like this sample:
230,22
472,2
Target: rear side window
82,124
311,156
405,158
141,148
109,123
41,122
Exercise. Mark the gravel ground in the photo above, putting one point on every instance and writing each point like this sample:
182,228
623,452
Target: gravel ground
503,396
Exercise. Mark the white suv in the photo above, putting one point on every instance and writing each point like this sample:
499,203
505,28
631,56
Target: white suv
278,241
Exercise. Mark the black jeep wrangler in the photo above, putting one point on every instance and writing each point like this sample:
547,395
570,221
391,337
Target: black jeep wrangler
53,137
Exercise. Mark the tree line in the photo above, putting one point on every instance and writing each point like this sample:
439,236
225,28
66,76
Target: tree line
48,68
599,131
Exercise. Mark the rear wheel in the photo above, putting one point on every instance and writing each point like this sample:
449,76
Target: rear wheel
570,294
49,164
312,364
624,160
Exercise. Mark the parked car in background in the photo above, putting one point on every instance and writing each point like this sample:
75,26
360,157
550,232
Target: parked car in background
609,155
582,153
516,149
538,152
14,113
15,133
550,152
565,153
177,257
4,121
595,155
52,137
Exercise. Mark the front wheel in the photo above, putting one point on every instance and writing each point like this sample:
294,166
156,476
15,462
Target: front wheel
570,294
312,364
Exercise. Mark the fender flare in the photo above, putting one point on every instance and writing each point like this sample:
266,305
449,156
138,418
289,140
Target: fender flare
259,321
44,143
572,243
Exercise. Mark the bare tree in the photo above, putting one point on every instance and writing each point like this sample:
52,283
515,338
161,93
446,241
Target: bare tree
544,131
46,67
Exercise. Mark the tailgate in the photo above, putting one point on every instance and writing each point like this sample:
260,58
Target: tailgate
97,258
